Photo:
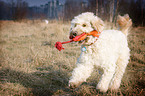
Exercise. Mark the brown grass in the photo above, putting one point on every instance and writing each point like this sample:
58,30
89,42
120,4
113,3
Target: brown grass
31,66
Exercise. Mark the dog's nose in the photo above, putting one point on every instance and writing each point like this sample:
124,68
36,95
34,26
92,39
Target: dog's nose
73,35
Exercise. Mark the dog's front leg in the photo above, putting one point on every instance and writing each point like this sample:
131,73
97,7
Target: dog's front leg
80,74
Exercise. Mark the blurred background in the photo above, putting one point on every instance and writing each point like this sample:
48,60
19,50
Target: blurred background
30,65
67,9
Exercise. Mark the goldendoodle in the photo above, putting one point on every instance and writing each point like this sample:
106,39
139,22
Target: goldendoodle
109,51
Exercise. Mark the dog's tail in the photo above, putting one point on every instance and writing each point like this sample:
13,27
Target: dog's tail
125,23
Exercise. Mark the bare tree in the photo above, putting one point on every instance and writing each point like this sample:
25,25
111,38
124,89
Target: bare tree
116,5
97,7
72,8
111,3
20,10
93,6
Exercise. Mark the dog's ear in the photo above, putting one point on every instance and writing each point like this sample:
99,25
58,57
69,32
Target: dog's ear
97,24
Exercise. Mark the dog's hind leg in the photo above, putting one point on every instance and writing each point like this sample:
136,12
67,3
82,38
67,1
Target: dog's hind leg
105,79
120,69
80,74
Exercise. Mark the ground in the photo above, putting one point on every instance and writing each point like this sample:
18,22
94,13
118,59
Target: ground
30,65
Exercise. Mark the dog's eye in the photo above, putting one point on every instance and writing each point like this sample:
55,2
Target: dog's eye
75,25
84,25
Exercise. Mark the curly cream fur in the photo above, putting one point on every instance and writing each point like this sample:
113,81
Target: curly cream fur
110,52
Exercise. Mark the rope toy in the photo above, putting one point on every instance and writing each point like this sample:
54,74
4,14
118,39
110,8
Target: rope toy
94,33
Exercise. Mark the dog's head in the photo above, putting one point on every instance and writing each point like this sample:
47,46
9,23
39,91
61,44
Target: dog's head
85,23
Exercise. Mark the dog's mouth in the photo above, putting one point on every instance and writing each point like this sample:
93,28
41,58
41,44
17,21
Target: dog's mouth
82,41
74,34
87,38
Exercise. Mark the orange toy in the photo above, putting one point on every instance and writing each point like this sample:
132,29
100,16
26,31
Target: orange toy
94,33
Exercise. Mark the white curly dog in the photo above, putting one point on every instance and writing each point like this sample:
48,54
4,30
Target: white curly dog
110,51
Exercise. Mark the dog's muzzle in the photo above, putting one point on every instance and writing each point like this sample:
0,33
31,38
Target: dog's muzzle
81,37
73,35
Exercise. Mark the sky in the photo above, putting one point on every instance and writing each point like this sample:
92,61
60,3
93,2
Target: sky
41,2
35,2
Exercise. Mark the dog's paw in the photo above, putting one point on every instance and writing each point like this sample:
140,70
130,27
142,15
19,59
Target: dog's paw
73,85
114,86
102,88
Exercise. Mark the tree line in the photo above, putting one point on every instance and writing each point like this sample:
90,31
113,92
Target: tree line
106,9
14,10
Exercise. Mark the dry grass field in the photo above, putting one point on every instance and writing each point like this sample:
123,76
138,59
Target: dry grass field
30,65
